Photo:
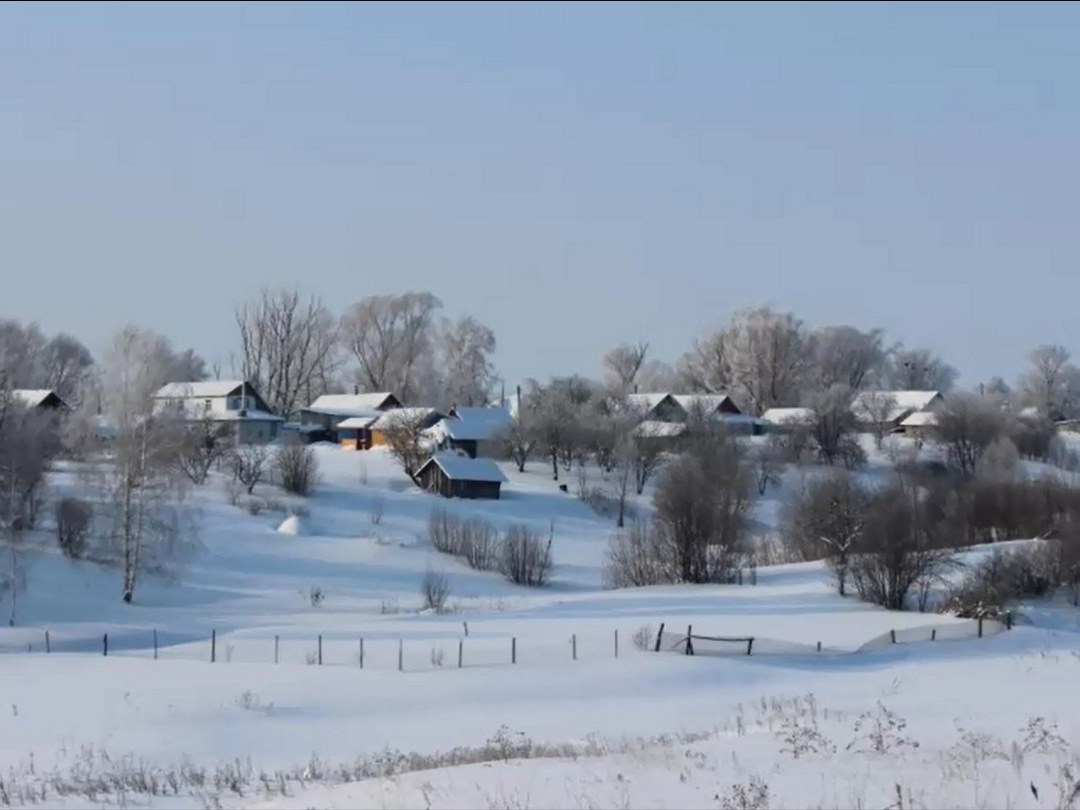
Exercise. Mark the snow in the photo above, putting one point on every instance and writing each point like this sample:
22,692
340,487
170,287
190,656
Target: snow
707,402
654,429
250,587
292,525
357,422
32,397
463,468
349,404
208,389
388,419
920,419
787,416
473,424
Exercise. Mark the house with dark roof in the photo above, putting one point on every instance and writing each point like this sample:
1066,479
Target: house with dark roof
457,476
43,398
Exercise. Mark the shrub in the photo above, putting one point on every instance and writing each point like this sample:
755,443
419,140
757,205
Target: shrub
298,468
249,463
524,558
376,510
473,539
1003,578
637,557
643,637
73,518
254,506
317,596
435,589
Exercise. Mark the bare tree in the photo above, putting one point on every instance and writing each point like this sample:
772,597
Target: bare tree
966,426
706,366
553,418
205,442
465,350
832,426
765,463
898,550
287,347
136,363
918,370
761,357
390,337
404,437
625,457
1052,384
876,409
843,355
656,375
249,464
520,439
67,365
701,505
22,350
826,520
622,364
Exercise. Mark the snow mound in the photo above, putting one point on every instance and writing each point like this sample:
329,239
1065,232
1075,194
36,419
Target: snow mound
292,525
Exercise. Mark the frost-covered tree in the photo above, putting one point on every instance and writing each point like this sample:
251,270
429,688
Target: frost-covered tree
918,370
465,349
1052,383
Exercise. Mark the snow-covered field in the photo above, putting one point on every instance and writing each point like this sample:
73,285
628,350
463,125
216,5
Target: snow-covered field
638,730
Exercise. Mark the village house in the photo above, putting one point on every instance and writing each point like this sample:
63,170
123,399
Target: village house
320,420
457,476
366,432
886,410
42,398
478,432
233,403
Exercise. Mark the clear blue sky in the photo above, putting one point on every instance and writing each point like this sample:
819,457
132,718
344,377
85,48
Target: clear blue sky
574,176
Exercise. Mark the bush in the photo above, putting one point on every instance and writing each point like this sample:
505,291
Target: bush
435,588
298,468
1003,578
254,506
474,540
73,519
636,557
524,557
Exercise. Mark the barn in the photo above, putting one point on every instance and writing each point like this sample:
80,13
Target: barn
456,476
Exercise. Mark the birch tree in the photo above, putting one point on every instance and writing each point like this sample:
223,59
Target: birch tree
1052,383
918,370
622,364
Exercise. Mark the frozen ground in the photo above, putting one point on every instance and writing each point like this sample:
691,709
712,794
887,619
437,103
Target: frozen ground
725,717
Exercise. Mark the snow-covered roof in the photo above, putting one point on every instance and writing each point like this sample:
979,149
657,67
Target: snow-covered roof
707,402
33,397
357,422
646,401
866,403
204,389
475,424
350,404
652,429
920,419
250,415
787,416
389,419
463,468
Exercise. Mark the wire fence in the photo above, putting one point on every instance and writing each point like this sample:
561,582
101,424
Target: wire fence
698,644
381,652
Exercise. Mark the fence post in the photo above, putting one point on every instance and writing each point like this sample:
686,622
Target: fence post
361,652
616,643
401,655
320,649
749,645
1008,623
276,646
659,636
933,634
513,650
819,646
460,652
980,626
466,626
105,644
213,646
573,645
155,645
689,641
48,648
892,636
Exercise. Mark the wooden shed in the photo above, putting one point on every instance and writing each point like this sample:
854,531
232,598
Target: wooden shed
456,476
